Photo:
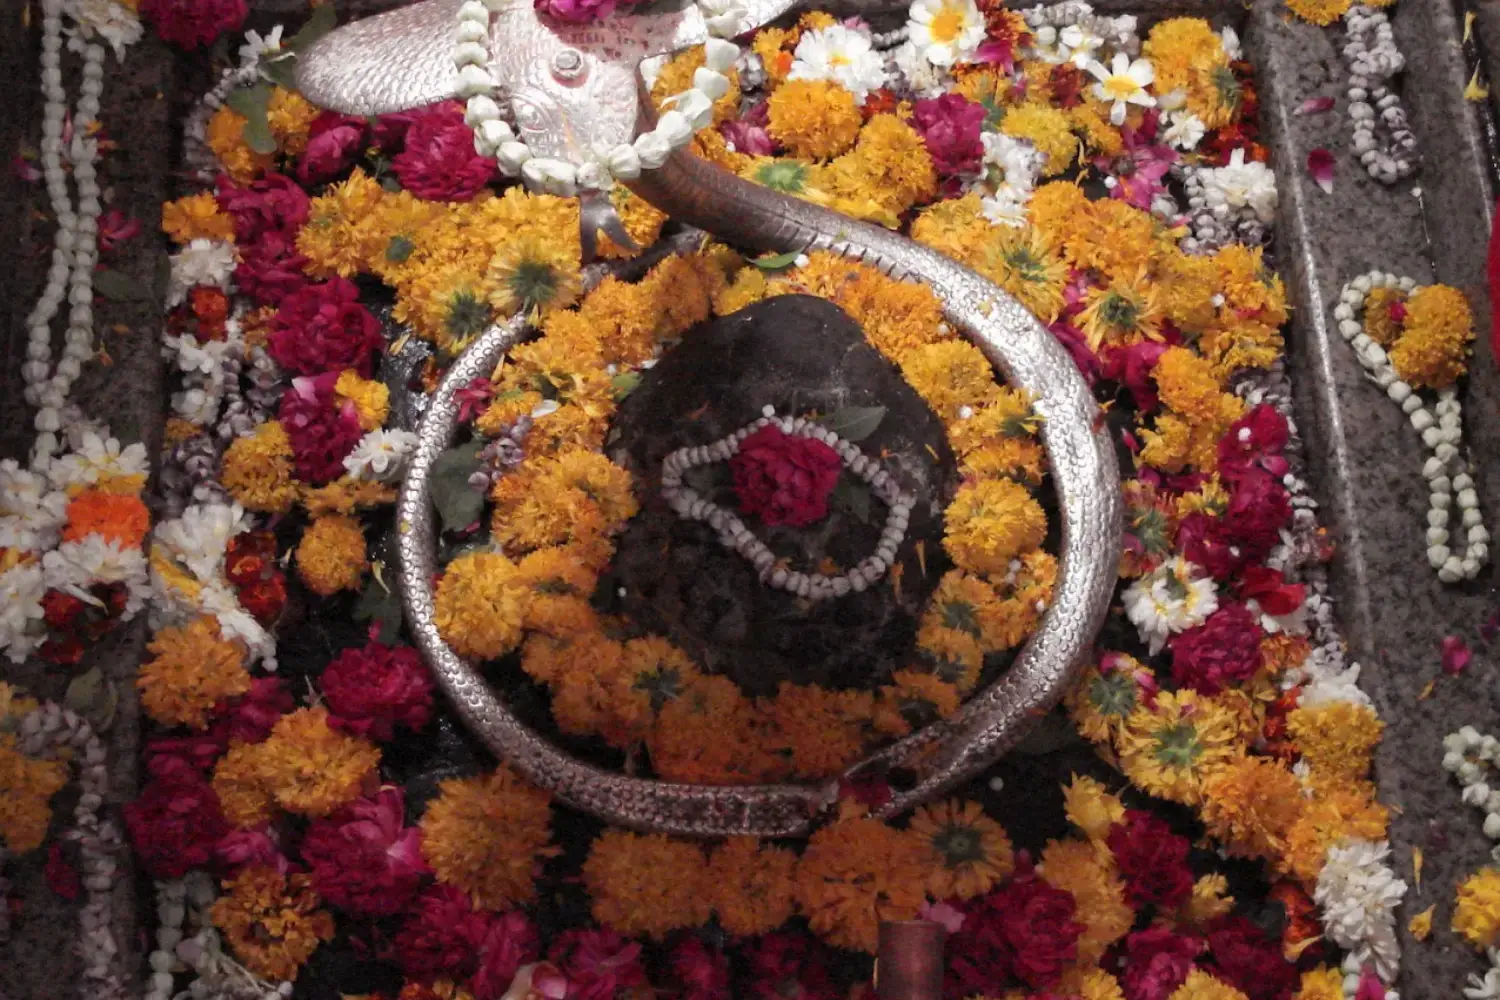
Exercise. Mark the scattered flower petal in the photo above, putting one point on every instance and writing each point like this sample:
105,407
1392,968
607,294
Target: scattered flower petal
1314,106
1320,165
1456,655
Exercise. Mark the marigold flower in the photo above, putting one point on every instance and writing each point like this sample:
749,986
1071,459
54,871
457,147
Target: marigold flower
563,497
533,274
1168,748
949,375
479,605
990,523
116,517
887,173
955,227
489,836
1249,804
752,885
271,921
290,116
1056,210
1209,901
1319,12
192,668
331,556
1049,129
1091,808
1202,986
1077,868
1332,814
969,852
346,496
1020,261
1322,983
1385,311
813,119
1336,738
237,783
1109,236
226,137
258,470
953,654
26,787
1476,914
312,769
1434,345
856,873
196,217
647,883
821,731
371,399
912,700
711,735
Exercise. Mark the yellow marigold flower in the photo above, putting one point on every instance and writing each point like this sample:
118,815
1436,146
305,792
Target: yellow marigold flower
626,317
331,556
532,274
448,304
1322,983
13,706
954,655
1186,285
1178,45
990,523
237,782
1380,325
194,217
479,605
966,603
1187,384
1249,805
271,921
371,399
1020,261
258,470
399,228
1094,984
311,768
677,76
1099,134
1332,814
657,669
1047,128
1202,986
1124,313
751,885
1091,807
856,873
1100,701
488,836
1112,237
968,852
575,495
897,316
1209,901
820,731
1005,413
507,407
1319,12
889,168
226,137
1433,350
290,116
1056,209
813,119
1167,749
678,289
333,238
1021,459
1250,288
647,883
774,47
956,227
747,288
949,375
1169,445
345,496
1077,867
642,220
556,571
26,787
191,669
1336,738
1476,915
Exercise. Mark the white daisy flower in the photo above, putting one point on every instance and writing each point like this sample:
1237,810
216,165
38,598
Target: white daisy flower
95,458
198,539
76,566
1077,44
21,590
1122,84
201,262
1168,601
117,25
922,77
381,455
1240,185
1184,130
258,46
842,55
946,31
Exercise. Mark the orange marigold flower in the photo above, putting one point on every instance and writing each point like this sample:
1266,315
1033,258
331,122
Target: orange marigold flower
237,782
489,836
259,470
193,667
311,768
813,119
1091,807
856,873
990,523
26,787
196,217
1078,868
1331,815
331,556
914,699
820,731
968,852
1434,345
226,137
752,885
271,921
710,734
1199,985
480,604
1336,738
1250,803
647,883
1210,900
117,517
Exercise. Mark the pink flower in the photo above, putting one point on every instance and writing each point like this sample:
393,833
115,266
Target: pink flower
24,169
1157,961
1259,507
333,143
598,963
175,824
240,848
323,328
249,717
748,137
1250,961
1256,440
1456,655
1025,930
1152,859
510,942
115,227
950,126
1370,987
579,11
1078,348
191,23
784,478
474,398
1223,650
270,269
272,203
439,162
951,917
704,974
390,130
1138,170
1132,366
441,936
370,691
321,433
62,877
363,860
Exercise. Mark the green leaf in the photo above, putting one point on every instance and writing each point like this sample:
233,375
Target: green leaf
854,423
853,496
377,604
777,262
625,383
282,71
702,478
92,696
457,503
252,103
118,286
320,22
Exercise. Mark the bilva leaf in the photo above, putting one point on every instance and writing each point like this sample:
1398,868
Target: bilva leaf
282,71
854,423
92,696
625,383
853,496
457,503
252,103
377,604
320,22
777,262
120,287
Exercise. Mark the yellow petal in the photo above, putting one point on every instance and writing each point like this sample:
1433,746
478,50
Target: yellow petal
1421,924
1476,91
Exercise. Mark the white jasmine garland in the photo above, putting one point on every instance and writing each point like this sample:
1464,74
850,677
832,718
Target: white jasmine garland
1078,43
74,567
1239,184
841,54
1170,600
1358,894
922,77
98,457
118,25
1007,178
201,262
945,32
21,590
31,511
381,455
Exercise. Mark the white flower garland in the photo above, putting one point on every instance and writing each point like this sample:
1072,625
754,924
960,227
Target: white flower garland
1448,473
1373,59
1473,758
183,905
686,112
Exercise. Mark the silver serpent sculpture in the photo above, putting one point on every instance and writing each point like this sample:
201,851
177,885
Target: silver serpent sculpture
400,60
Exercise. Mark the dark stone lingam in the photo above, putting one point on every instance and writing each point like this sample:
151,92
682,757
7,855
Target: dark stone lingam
802,355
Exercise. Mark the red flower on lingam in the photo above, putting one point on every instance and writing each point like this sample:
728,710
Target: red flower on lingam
783,478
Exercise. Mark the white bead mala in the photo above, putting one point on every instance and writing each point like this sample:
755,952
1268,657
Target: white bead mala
1473,758
686,112
1447,471
1373,59
735,536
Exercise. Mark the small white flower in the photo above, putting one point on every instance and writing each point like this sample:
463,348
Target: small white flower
116,24
21,590
198,539
1170,600
922,77
1007,177
1230,39
1323,687
1240,185
76,566
201,262
31,512
381,455
258,46
97,458
1358,895
1122,84
840,54
1077,45
1486,987
1289,624
946,31
235,622
1185,130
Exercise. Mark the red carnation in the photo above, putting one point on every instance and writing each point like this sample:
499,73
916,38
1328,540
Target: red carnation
1259,507
249,717
1024,931
1256,439
363,860
175,823
191,23
950,127
789,966
510,942
439,162
1152,859
323,328
1157,961
703,972
1270,591
783,478
270,269
273,203
441,936
321,432
1223,650
333,143
598,963
370,691
1198,538
1249,960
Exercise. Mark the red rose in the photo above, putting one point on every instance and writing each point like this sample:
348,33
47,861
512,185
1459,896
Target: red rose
703,972
1024,931
783,478
191,23
370,691
1157,961
510,942
441,936
439,162
598,963
1270,591
175,823
333,143
1223,650
1249,960
1152,859
321,433
363,860
323,328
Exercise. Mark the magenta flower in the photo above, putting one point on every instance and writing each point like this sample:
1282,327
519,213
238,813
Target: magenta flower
1137,172
950,128
363,859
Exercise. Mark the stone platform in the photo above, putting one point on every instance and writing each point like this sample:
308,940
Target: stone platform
1393,610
